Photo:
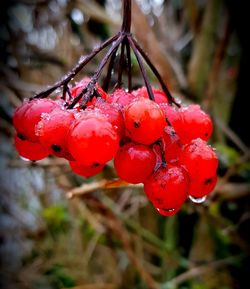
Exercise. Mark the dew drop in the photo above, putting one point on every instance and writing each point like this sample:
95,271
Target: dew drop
165,210
197,200
25,159
45,116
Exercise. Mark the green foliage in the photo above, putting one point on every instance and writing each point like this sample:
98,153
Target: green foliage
228,156
56,217
58,277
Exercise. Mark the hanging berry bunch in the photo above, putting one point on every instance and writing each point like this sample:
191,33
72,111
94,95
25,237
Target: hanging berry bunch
152,139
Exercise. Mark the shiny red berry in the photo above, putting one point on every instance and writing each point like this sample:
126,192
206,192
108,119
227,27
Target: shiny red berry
113,114
172,144
27,116
121,97
79,86
167,188
196,124
200,187
173,115
134,162
93,140
159,95
53,129
30,150
85,171
201,162
144,121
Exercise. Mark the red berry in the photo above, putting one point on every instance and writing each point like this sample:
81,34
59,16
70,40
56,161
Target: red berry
200,161
157,150
196,124
53,129
27,116
113,114
200,187
172,144
85,171
93,140
121,97
173,116
167,188
30,150
144,121
159,95
75,90
134,162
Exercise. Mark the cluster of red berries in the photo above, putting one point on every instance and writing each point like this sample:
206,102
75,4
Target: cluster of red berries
151,142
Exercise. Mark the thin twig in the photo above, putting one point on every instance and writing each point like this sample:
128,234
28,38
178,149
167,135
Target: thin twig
106,82
157,74
199,270
142,68
121,66
103,184
129,65
81,63
90,88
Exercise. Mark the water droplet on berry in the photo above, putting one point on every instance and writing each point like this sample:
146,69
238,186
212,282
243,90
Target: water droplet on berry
24,159
45,115
166,210
198,200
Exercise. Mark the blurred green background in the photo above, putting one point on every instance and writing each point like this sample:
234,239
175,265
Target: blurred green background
110,238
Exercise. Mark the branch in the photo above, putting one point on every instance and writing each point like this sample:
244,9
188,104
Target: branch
197,271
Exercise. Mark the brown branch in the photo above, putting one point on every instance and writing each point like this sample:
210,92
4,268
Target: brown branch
103,184
197,271
220,53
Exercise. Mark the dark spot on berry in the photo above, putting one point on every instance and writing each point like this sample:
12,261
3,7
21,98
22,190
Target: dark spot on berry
158,200
19,135
206,134
56,148
136,123
95,165
208,181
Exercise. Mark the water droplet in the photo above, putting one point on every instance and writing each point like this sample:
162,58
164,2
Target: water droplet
45,116
25,159
198,200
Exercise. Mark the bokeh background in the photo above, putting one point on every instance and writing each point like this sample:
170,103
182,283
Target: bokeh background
113,238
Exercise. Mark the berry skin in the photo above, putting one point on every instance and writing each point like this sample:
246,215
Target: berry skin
201,162
173,116
144,121
134,163
159,95
53,129
172,144
93,140
113,114
27,116
85,171
121,97
196,124
29,150
200,187
75,90
168,187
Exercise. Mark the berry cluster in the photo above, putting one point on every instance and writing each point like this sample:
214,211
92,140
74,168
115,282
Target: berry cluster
151,142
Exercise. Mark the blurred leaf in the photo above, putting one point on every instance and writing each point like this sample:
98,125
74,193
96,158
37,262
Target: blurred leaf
56,217
227,155
58,277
